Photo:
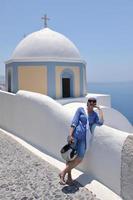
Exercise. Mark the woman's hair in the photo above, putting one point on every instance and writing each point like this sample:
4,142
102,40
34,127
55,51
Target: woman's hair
91,99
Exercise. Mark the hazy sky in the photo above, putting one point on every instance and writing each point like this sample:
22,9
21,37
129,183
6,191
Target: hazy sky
101,29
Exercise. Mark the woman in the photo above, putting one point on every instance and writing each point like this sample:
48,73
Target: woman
92,115
77,135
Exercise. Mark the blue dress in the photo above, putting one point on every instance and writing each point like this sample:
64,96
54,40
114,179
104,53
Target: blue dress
94,119
79,122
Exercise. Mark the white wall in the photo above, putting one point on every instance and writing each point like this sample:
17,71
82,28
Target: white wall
45,123
102,99
103,160
117,120
7,110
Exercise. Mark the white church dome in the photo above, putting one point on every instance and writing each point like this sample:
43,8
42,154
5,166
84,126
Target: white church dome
46,44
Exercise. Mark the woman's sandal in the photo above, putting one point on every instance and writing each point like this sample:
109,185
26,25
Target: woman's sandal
62,182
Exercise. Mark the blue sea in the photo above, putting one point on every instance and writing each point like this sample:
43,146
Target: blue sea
121,95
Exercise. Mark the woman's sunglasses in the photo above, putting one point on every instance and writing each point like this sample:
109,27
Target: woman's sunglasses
91,101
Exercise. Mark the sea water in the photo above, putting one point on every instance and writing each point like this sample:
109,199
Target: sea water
121,95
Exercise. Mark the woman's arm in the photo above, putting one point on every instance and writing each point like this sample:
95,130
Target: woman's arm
99,119
74,124
100,114
71,139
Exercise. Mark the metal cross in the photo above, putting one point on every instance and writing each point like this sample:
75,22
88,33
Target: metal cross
45,18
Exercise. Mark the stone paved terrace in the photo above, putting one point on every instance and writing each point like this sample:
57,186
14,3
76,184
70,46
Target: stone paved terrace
24,176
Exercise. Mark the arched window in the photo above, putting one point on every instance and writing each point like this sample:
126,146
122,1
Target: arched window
67,83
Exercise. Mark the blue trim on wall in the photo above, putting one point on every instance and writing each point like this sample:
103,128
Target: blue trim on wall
81,81
51,79
14,78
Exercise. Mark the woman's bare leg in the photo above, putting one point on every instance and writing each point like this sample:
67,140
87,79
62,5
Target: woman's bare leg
62,178
69,177
69,167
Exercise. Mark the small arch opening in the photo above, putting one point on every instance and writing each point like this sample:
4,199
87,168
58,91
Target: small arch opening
67,84
65,87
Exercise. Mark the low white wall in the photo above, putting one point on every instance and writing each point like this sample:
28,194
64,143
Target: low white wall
127,169
7,110
117,120
102,99
103,160
45,123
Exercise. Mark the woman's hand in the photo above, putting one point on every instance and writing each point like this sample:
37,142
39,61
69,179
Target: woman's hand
97,107
100,113
71,139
